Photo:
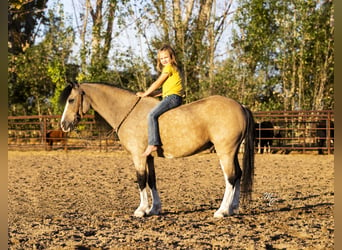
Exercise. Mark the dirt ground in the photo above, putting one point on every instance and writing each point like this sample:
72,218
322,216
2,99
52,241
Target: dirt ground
86,200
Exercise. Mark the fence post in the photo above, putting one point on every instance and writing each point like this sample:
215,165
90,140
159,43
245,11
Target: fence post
44,132
328,133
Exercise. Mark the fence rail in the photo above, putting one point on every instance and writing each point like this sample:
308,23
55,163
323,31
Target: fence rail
276,131
295,131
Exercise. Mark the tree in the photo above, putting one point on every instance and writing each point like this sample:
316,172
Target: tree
23,18
287,50
98,26
194,29
37,74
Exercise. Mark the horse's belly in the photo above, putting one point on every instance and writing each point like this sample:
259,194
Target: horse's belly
184,146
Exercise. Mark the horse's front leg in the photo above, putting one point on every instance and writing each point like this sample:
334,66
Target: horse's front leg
140,166
156,203
144,177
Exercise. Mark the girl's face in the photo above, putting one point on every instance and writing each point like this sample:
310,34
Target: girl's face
164,57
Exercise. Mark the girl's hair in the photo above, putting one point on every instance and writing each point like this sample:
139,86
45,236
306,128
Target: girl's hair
172,54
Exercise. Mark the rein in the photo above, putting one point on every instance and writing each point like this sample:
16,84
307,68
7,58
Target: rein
128,113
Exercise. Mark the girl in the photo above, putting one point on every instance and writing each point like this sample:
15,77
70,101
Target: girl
171,83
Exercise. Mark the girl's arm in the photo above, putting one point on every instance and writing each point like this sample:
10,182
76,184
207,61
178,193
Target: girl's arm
156,93
154,86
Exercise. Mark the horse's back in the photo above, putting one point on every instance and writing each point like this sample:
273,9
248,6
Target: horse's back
192,126
211,110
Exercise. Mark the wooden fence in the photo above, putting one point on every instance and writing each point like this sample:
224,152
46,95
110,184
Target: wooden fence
299,131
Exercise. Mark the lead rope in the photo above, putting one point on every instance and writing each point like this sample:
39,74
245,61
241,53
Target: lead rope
128,113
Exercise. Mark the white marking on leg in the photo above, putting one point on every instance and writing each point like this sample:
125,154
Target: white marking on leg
139,163
226,204
143,207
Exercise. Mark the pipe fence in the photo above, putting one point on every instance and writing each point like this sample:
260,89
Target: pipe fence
276,132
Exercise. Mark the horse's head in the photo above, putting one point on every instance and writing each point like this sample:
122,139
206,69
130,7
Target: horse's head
76,105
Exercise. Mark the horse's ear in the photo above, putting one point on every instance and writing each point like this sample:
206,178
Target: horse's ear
74,85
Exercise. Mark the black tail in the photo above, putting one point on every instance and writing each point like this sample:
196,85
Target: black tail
248,159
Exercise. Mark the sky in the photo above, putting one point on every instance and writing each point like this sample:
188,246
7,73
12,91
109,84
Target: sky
128,37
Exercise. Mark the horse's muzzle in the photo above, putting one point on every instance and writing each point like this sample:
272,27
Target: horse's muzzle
68,126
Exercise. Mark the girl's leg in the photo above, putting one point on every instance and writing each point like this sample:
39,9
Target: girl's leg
166,104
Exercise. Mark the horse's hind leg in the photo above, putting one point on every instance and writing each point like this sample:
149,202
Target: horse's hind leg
156,203
232,174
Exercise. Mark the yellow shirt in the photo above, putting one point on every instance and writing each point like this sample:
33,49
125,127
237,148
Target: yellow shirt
173,84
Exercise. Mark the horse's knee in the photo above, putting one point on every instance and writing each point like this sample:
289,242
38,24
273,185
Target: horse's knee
142,179
151,172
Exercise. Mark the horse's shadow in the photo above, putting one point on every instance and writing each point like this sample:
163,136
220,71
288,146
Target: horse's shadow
249,211
290,208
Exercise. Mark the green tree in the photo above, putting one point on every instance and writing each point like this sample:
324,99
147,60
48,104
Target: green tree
37,74
286,48
194,29
23,18
99,20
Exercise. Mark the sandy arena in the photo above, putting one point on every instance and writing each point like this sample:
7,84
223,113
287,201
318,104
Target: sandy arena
86,200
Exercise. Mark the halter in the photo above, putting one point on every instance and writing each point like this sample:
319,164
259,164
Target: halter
80,103
128,113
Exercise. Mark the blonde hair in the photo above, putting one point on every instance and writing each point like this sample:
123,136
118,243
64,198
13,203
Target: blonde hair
172,54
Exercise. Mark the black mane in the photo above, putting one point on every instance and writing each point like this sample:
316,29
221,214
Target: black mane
64,95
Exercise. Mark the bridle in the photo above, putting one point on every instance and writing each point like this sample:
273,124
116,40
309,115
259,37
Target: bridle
80,103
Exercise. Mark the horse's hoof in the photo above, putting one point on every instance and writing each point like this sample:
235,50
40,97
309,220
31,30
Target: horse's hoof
218,214
154,211
235,211
139,213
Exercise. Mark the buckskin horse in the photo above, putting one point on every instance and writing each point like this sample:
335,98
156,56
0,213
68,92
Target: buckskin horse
184,131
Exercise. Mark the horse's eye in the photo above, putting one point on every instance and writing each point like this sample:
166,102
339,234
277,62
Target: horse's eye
71,101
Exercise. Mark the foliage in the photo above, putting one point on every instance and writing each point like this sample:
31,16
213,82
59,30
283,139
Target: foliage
26,73
286,48
280,56
38,74
23,18
58,40
194,29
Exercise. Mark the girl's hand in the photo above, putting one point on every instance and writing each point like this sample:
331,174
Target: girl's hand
140,94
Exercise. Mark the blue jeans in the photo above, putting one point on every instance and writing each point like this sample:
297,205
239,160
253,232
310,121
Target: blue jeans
169,102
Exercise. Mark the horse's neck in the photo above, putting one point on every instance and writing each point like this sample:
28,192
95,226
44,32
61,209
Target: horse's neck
110,102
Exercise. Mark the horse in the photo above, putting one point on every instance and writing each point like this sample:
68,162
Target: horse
265,135
324,132
185,130
56,136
